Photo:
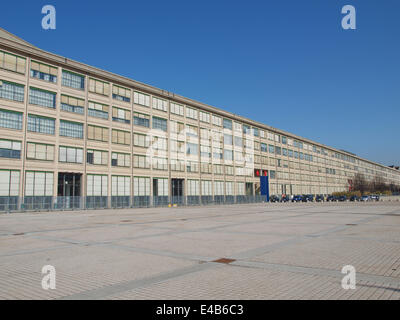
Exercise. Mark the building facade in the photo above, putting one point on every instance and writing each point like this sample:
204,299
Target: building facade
71,130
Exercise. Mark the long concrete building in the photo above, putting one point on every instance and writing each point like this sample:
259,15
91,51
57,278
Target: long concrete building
71,130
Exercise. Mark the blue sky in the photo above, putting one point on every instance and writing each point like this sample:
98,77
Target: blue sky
285,63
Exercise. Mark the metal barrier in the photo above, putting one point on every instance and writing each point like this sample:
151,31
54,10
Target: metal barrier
11,204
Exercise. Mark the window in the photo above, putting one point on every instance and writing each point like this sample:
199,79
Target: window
12,62
284,140
160,104
218,188
204,116
176,109
99,87
39,184
217,120
160,187
141,119
193,188
73,80
205,151
41,124
11,91
228,155
97,133
176,127
70,155
229,188
271,149
256,132
141,140
206,188
218,169
228,139
177,146
10,149
43,72
272,174
141,98
9,183
97,157
192,166
229,170
160,163
159,123
192,131
42,98
238,142
121,137
177,165
121,115
141,161
278,150
191,113
98,110
38,151
159,143
246,129
205,167
72,104
263,147
227,124
141,186
240,188
71,129
217,153
97,185
192,149
10,119
120,186
120,159
237,126
121,94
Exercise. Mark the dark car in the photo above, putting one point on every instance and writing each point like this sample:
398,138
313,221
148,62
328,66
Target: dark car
309,197
319,198
285,199
297,198
273,198
342,198
354,198
331,198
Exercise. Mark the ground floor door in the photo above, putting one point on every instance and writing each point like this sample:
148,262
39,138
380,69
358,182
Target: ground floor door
69,189
249,188
177,190
69,184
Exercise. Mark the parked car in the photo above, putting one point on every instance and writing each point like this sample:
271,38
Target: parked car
332,198
342,198
365,198
374,197
319,198
354,198
273,198
304,198
309,197
297,198
285,199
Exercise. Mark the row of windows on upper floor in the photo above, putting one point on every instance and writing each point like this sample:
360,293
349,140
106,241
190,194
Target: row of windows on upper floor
49,73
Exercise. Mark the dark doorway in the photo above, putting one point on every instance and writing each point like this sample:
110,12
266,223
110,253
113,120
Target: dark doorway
177,190
69,190
249,188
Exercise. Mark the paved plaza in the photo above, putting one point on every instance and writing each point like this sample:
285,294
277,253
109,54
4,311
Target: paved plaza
256,251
